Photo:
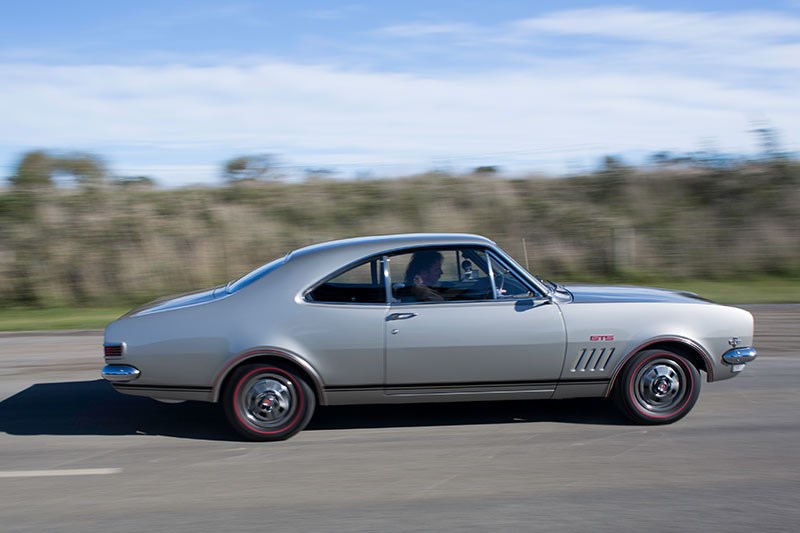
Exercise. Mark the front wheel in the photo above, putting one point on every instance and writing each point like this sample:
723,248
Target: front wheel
267,402
657,387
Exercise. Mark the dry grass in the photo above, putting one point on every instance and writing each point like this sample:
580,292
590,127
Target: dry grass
123,246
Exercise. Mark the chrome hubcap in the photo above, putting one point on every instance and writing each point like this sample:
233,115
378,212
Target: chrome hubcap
267,400
660,385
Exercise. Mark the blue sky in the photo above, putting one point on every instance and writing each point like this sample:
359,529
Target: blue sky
171,89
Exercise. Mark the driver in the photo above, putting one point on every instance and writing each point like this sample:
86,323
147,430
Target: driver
423,274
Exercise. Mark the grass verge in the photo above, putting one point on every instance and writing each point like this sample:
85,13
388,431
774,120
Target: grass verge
760,291
22,319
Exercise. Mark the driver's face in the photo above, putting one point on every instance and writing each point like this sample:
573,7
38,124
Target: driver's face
432,275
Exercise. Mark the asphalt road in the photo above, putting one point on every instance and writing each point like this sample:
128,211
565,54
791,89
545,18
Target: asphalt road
76,456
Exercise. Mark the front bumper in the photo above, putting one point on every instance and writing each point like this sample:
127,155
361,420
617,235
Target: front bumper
739,356
120,373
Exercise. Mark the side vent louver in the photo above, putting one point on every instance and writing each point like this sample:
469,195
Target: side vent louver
593,359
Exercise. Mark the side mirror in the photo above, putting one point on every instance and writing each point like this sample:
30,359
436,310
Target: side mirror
531,303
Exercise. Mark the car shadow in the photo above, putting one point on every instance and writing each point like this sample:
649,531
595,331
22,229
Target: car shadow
594,411
95,408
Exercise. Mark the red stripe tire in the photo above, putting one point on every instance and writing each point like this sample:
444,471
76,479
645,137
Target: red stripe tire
657,387
267,402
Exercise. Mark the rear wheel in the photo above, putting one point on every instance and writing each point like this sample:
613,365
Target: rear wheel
267,402
657,387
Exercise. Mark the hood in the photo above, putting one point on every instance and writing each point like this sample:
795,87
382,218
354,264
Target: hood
611,293
177,301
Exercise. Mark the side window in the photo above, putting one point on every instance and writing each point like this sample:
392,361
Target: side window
507,284
361,284
440,275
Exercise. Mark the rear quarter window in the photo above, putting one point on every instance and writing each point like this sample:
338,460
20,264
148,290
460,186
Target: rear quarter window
360,284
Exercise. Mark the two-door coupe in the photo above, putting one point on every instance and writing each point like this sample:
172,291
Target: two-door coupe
420,318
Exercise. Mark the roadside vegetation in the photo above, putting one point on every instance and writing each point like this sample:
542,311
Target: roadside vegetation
730,232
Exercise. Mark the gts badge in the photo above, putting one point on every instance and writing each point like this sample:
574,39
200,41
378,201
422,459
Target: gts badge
601,338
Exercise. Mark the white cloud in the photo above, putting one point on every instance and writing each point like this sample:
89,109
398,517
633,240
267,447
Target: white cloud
673,27
754,39
426,29
307,111
722,46
692,76
339,12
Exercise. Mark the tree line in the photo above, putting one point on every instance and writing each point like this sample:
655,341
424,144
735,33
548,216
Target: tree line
92,243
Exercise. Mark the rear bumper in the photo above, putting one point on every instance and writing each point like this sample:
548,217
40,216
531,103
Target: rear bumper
739,356
120,373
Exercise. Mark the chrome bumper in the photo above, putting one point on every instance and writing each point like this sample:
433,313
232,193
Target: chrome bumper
120,373
739,356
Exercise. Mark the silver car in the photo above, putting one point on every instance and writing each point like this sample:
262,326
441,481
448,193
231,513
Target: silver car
420,318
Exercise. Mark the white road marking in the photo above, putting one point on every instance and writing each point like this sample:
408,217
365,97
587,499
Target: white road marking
58,473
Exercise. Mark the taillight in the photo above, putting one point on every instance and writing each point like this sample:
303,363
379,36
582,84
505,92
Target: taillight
113,350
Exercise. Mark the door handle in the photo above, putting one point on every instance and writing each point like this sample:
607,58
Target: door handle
400,316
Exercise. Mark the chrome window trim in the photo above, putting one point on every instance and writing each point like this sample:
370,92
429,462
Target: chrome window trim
387,282
455,302
490,271
524,276
354,304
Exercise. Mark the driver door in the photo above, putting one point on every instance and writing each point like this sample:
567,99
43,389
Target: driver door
489,333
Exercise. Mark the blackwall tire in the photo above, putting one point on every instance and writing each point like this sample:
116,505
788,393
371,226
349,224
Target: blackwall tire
267,402
657,387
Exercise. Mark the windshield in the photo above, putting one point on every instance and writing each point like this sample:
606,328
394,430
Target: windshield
255,275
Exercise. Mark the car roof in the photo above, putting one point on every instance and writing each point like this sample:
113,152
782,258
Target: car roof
365,246
305,266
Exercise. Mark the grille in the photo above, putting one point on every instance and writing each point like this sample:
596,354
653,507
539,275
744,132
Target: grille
593,359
